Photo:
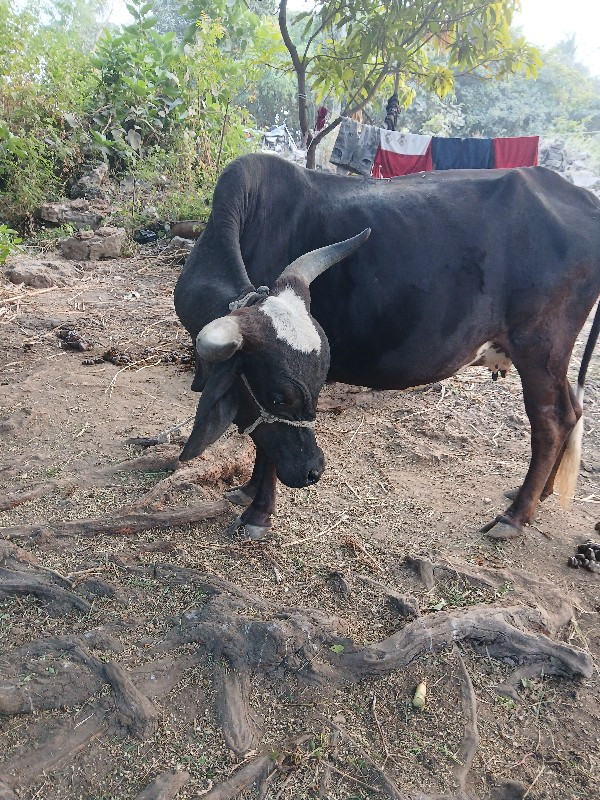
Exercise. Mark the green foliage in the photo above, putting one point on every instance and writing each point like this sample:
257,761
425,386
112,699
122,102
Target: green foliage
138,95
562,99
130,95
9,241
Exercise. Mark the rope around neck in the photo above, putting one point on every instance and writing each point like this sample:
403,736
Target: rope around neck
266,416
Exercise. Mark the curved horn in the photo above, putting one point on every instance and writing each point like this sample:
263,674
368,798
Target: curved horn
311,265
219,340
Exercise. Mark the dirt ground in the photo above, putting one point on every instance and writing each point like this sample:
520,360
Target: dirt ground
105,683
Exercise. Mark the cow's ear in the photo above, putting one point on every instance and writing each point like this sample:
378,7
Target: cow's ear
217,408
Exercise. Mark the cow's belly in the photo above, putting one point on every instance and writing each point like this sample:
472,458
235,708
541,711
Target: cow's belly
402,369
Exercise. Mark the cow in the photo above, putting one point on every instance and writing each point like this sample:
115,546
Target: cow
302,277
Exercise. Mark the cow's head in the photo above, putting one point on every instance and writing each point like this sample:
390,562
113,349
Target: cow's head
268,363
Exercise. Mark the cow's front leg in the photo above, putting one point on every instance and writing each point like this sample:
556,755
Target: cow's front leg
244,495
256,519
552,416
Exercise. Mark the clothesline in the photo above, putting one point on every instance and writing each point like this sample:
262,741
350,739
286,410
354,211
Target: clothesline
382,153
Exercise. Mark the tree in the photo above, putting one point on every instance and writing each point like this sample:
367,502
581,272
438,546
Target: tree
351,50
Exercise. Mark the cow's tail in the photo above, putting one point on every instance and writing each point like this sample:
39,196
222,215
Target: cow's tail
568,471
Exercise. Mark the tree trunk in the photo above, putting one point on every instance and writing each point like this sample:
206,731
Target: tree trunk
311,153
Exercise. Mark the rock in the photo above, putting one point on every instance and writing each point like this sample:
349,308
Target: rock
39,274
71,212
89,185
129,184
187,228
178,244
554,156
106,242
582,177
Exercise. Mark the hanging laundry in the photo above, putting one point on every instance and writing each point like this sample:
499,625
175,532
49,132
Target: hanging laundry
356,149
321,116
367,147
402,154
455,153
516,151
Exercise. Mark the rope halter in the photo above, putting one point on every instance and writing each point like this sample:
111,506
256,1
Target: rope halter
266,416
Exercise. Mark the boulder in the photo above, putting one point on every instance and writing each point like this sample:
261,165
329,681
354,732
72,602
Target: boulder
90,184
106,242
71,212
187,228
40,274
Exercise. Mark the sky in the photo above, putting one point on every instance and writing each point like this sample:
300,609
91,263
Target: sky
544,22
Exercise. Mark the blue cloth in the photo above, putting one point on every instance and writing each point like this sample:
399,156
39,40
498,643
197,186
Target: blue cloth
454,153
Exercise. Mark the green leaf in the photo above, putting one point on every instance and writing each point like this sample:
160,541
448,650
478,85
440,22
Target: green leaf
337,648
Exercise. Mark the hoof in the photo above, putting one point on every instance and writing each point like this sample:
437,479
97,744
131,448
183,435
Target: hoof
246,531
238,497
511,494
501,531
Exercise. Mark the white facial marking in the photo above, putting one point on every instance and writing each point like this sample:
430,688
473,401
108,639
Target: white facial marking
292,322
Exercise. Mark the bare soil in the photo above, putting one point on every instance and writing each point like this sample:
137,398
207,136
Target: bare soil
175,660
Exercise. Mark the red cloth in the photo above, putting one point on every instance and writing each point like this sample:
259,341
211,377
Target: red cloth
402,154
321,115
517,151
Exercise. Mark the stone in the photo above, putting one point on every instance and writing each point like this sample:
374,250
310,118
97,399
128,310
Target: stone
89,185
179,244
76,212
187,228
106,242
39,274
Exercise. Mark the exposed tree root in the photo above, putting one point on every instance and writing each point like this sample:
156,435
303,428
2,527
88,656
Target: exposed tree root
249,773
134,710
21,574
228,459
240,727
17,498
250,638
165,786
405,605
116,524
470,741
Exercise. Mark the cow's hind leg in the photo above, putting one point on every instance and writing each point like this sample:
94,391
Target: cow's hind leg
549,487
551,412
256,519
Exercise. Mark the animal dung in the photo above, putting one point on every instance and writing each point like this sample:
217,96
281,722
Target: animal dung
420,695
72,339
587,556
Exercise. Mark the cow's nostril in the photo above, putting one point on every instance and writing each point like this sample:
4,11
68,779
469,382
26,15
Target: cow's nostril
313,476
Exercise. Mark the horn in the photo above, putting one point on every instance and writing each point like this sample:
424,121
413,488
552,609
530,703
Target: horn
219,340
311,265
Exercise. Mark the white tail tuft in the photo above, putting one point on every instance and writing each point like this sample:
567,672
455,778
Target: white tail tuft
568,471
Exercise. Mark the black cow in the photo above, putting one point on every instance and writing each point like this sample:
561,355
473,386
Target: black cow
461,267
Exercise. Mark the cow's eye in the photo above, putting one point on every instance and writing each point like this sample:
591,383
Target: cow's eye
277,400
